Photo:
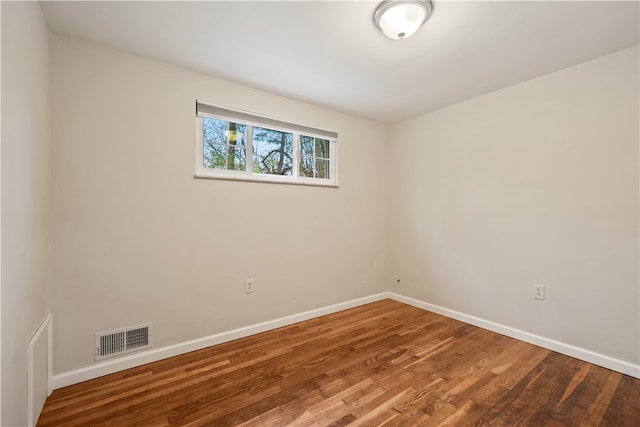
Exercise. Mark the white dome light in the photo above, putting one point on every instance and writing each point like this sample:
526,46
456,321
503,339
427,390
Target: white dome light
398,19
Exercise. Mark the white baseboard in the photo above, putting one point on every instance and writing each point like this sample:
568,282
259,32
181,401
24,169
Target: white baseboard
137,359
560,347
153,355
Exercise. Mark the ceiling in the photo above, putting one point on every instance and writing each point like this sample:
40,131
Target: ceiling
330,53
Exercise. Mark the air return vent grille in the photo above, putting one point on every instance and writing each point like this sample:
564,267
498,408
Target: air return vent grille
121,341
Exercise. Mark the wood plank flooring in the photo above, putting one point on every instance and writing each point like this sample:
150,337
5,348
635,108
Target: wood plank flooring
384,363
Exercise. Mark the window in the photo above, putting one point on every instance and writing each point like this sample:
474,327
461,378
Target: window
238,145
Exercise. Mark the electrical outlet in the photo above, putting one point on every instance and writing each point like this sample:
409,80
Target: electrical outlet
538,292
248,286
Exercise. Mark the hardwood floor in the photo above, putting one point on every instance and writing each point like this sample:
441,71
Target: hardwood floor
384,363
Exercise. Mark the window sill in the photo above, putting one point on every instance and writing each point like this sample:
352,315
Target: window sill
266,179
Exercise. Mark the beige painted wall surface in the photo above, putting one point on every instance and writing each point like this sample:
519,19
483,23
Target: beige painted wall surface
26,195
138,239
535,183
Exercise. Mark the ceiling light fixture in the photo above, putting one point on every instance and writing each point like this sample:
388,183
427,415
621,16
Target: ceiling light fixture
398,19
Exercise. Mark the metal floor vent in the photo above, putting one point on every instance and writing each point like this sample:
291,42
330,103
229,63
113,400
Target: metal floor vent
121,341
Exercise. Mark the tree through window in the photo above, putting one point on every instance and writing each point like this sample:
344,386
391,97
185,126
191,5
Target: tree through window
224,145
272,152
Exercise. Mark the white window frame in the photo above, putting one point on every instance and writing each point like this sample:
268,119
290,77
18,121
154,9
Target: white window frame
252,120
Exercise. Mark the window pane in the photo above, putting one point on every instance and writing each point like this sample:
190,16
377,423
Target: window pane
306,166
272,152
214,156
223,156
322,169
313,167
322,148
306,145
214,129
224,144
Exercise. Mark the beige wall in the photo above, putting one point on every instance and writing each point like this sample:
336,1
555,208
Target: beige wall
25,195
535,183
137,238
